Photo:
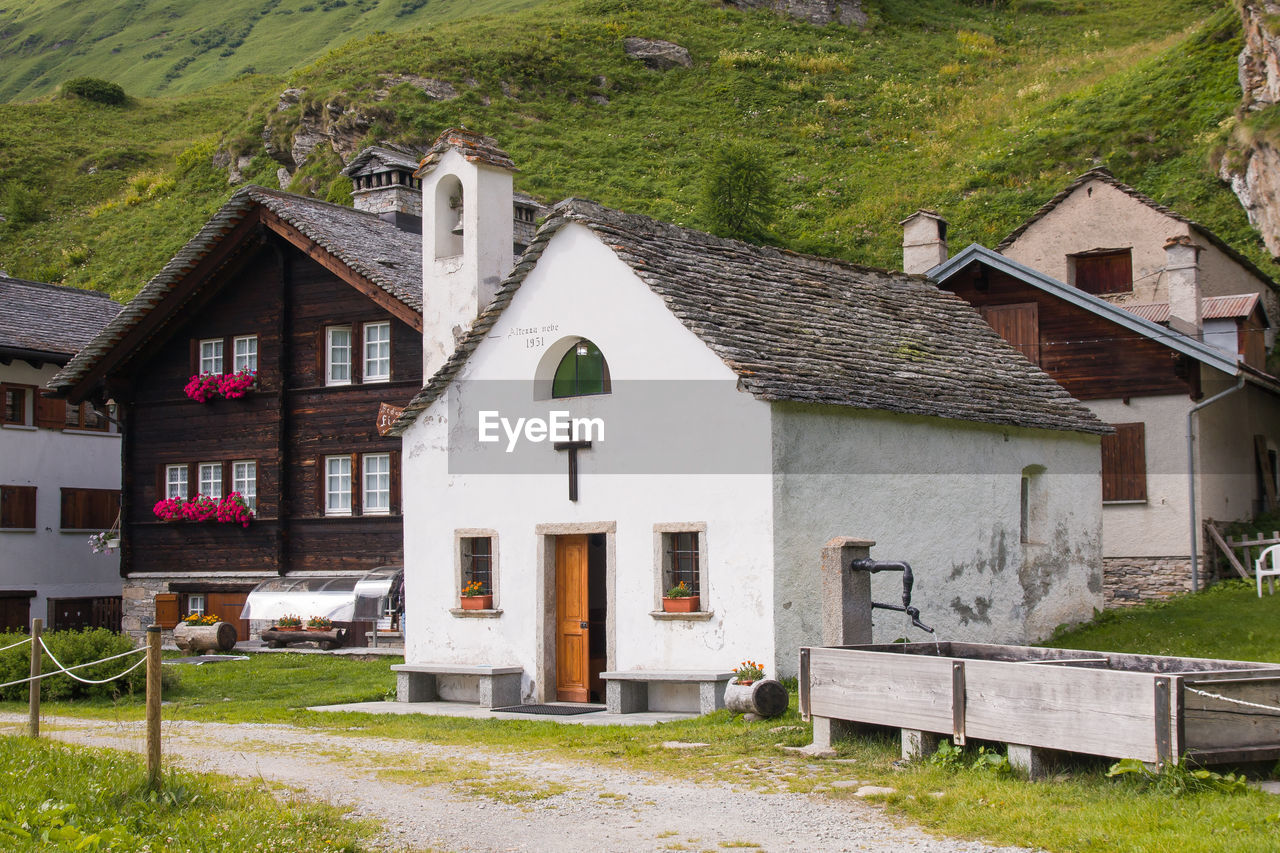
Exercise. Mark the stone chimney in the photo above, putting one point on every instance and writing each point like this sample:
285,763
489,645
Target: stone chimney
924,241
1182,281
467,234
382,182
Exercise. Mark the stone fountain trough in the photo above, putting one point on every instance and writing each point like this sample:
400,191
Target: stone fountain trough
1151,708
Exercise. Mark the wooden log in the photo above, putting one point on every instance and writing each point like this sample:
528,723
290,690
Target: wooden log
764,698
330,639
201,638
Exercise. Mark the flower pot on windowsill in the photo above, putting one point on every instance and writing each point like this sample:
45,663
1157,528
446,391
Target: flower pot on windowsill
686,604
477,602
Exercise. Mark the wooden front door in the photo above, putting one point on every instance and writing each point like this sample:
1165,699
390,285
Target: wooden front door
572,620
227,607
15,613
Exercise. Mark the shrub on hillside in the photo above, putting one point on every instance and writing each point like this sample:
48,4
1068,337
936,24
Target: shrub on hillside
93,89
738,197
21,205
72,648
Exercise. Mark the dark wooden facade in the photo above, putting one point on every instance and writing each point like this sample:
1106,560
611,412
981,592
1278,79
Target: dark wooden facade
1090,356
264,284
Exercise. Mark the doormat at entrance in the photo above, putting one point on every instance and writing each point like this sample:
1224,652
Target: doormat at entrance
551,710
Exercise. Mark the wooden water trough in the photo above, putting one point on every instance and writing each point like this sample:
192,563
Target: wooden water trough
1155,709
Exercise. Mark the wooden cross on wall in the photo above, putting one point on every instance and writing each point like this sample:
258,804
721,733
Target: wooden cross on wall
573,447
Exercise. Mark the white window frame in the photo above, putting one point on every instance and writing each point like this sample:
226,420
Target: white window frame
334,481
331,364
210,474
377,365
244,479
196,603
175,481
248,360
211,356
381,484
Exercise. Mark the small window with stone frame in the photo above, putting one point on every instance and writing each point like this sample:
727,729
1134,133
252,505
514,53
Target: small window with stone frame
477,562
682,561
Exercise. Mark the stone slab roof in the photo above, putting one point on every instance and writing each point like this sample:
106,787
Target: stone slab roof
807,329
378,158
48,318
475,147
1103,174
370,246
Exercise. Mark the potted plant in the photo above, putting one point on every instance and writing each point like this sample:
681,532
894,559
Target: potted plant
233,510
289,622
203,387
319,623
169,509
474,597
747,672
680,599
235,385
198,633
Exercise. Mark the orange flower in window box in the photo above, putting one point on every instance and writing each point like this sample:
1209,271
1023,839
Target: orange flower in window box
474,597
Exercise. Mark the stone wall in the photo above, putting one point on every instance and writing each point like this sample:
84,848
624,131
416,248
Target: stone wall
1132,580
139,607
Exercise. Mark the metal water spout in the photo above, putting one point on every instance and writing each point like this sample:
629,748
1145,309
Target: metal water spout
908,580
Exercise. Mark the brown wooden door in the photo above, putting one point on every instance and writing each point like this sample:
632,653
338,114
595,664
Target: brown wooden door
227,607
15,613
572,633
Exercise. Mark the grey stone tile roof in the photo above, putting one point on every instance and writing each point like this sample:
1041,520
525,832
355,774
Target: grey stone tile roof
374,248
49,318
475,147
807,329
1101,173
377,158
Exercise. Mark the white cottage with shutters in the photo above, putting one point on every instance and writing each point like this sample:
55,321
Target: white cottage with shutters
633,406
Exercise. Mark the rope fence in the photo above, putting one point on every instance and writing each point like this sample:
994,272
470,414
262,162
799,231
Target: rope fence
21,642
67,669
1206,694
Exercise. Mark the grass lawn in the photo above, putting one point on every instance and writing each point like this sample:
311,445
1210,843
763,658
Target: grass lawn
58,797
1080,809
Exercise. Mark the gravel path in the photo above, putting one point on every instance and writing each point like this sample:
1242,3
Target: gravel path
431,797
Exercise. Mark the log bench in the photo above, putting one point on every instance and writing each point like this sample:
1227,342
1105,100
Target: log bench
498,686
627,692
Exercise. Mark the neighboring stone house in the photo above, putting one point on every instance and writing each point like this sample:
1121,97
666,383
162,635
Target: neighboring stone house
738,407
1147,317
59,465
323,303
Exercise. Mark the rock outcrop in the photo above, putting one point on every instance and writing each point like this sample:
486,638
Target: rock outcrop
335,124
656,53
1251,162
820,12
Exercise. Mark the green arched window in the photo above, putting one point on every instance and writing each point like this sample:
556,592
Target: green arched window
582,371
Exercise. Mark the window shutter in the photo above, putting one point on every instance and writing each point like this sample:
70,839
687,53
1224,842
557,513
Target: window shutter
322,375
167,615
1017,324
357,353
193,363
18,507
50,413
72,509
1124,463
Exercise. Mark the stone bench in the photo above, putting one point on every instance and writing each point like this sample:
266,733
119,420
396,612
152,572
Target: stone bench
627,692
499,686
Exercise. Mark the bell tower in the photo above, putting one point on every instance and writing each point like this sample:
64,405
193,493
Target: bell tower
467,235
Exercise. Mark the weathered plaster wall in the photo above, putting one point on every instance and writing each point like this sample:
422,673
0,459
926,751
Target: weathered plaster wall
945,497
1159,526
580,288
1228,484
1100,216
55,564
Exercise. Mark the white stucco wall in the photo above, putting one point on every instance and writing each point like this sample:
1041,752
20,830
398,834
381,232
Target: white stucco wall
944,496
580,289
1226,478
53,563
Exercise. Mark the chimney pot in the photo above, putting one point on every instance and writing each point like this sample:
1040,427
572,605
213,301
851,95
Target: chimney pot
1182,280
924,241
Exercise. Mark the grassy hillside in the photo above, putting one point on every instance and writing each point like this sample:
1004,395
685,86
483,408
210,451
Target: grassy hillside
970,108
154,47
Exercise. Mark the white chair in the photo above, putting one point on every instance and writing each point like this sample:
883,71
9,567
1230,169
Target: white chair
1267,566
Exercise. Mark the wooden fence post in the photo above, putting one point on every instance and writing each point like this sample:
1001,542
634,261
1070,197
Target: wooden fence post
153,707
33,686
